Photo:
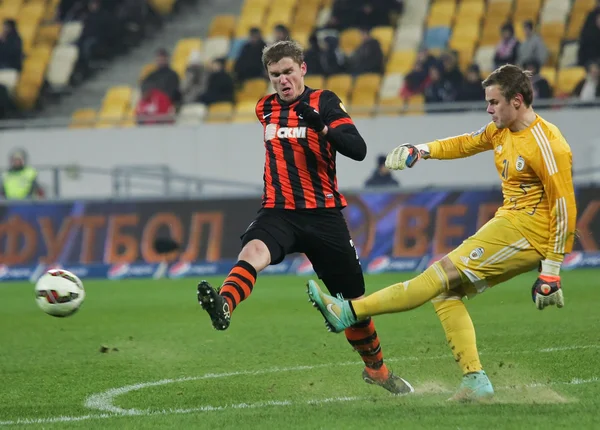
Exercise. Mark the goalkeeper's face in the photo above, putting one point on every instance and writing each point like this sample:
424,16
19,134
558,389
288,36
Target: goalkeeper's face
504,112
287,77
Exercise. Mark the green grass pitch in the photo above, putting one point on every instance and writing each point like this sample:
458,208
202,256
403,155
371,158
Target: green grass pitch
277,367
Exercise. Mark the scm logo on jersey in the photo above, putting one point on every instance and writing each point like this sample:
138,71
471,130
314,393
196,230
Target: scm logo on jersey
291,133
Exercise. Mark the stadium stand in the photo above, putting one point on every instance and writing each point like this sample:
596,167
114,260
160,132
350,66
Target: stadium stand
467,29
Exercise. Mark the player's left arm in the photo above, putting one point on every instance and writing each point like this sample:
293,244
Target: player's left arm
552,162
333,122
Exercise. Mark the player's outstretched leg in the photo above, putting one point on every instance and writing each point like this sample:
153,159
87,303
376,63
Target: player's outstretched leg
460,334
220,304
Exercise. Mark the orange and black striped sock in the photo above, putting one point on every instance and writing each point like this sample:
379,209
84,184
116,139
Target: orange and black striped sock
239,284
363,338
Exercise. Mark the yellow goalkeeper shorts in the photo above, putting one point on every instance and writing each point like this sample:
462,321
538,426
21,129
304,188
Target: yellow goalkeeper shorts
494,254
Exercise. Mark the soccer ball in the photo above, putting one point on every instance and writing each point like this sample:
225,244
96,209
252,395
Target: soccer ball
59,293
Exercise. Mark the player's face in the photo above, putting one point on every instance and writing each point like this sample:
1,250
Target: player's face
503,111
287,78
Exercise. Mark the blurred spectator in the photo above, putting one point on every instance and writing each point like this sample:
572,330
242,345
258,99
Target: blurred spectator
332,57
589,40
312,56
249,63
450,68
345,14
368,57
7,105
533,47
153,105
541,87
164,78
507,48
438,88
97,30
11,47
416,80
379,12
220,86
194,81
381,177
471,88
281,33
589,87
20,182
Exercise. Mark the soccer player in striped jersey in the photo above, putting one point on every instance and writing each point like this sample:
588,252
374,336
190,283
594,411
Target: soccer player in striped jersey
534,228
301,210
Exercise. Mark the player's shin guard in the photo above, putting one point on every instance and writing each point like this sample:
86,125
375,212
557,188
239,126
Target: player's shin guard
460,332
363,338
239,284
405,295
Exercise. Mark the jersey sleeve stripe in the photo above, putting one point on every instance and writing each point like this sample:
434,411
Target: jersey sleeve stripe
341,121
545,148
561,226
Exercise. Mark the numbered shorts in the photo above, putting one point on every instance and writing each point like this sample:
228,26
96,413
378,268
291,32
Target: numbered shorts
321,234
496,253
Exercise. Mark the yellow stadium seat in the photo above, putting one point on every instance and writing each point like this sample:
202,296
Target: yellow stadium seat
10,9
584,6
129,119
83,118
390,106
28,32
184,48
499,11
279,14
490,34
117,96
304,22
48,34
111,116
220,112
367,83
385,36
350,39
464,36
246,22
163,7
244,112
401,62
222,26
441,14
314,81
301,38
250,5
526,10
341,84
568,78
26,94
146,70
415,105
576,21
362,104
549,73
552,33
252,90
472,10
32,12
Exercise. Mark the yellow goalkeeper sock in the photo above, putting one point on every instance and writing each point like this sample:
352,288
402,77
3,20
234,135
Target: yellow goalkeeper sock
460,332
403,296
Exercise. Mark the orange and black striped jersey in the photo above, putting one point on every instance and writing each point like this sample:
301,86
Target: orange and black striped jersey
300,164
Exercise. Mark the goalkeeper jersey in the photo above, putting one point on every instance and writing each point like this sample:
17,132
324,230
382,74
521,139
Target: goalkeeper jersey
535,166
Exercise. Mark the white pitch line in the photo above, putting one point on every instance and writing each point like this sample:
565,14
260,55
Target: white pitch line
265,404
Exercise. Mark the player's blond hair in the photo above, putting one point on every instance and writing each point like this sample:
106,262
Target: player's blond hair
282,49
512,80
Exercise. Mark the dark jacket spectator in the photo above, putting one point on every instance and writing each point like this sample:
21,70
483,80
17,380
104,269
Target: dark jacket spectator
249,63
312,57
471,88
332,57
508,47
381,177
11,47
589,40
345,14
195,79
164,78
281,32
220,87
368,57
439,89
589,88
532,48
450,68
416,79
541,87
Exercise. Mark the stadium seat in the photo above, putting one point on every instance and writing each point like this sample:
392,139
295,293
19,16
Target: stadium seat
471,11
83,118
305,21
385,36
350,39
390,106
191,114
441,14
70,32
61,65
464,36
391,86
568,57
584,6
415,105
247,21
219,112
408,37
163,7
341,84
9,78
10,9
182,52
301,38
216,47
280,12
146,70
244,112
314,81
28,32
362,104
111,116
367,83
118,95
526,10
401,62
222,26
26,94
549,73
568,78
484,57
252,90
48,34
490,33
437,37
575,25
552,33
498,11
323,17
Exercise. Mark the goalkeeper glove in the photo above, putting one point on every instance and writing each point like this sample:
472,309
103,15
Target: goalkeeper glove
310,115
546,290
405,155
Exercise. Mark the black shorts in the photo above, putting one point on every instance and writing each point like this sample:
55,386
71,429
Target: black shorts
321,234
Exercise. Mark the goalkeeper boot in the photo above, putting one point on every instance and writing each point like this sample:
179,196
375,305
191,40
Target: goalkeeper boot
336,311
215,305
393,383
474,386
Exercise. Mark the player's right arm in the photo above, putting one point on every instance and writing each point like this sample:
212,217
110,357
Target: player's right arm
462,146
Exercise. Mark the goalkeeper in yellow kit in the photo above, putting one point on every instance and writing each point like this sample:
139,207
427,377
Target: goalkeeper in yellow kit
534,228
